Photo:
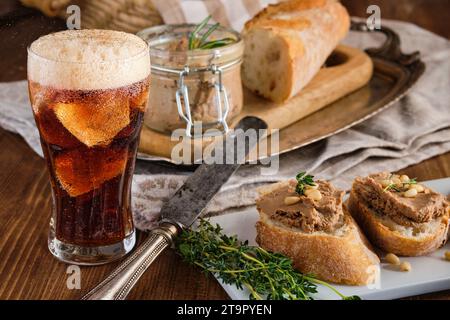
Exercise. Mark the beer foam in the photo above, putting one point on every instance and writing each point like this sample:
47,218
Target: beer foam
88,59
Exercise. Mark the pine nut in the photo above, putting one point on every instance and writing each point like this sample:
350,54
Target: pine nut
411,193
313,194
418,187
291,200
397,181
404,178
316,186
392,259
447,255
385,183
405,266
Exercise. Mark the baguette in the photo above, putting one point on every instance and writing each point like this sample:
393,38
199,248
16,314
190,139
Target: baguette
341,256
287,43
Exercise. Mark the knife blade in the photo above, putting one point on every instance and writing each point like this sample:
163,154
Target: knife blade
183,208
190,200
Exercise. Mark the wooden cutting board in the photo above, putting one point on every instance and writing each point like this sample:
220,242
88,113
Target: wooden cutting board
347,70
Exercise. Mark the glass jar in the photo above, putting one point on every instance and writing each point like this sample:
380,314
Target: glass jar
191,88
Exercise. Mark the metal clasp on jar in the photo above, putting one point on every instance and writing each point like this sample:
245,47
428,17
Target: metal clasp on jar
221,97
221,100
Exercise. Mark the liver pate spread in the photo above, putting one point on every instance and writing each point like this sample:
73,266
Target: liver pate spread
323,215
174,55
405,211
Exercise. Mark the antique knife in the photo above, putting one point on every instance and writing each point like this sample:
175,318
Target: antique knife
182,210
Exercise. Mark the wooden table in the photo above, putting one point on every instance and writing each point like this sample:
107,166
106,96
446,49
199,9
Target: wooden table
27,269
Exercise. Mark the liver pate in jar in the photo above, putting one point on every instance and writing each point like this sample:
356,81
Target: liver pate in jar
192,86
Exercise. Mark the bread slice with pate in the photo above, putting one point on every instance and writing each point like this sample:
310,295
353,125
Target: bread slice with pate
399,215
316,232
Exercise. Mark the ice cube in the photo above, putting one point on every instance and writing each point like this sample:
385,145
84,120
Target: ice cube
52,131
94,124
82,170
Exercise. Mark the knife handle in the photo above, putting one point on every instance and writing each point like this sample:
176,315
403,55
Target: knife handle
120,282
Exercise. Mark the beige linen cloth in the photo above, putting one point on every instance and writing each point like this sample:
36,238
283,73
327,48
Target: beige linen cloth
414,129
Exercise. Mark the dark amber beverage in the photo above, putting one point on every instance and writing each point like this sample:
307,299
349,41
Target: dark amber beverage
88,178
89,129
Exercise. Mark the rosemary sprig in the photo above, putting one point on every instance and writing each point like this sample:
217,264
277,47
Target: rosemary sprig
197,42
303,180
217,43
208,33
265,274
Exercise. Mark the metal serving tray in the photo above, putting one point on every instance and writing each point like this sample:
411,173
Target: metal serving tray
394,74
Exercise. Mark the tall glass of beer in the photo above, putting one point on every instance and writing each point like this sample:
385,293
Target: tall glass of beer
88,91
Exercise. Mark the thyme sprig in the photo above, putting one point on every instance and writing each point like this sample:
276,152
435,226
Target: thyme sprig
266,275
394,187
303,180
201,42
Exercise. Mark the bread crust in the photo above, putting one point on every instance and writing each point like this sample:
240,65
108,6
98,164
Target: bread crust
309,39
390,240
264,15
346,258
